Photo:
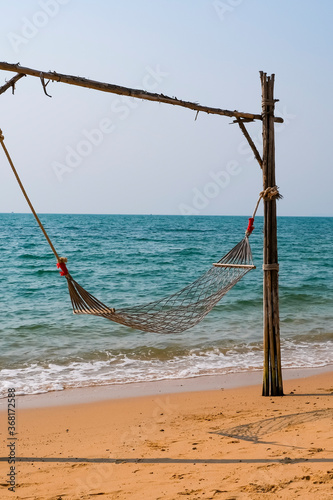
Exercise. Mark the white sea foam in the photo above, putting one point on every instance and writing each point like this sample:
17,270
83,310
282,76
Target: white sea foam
122,369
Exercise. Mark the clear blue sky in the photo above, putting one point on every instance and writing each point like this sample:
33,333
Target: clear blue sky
83,151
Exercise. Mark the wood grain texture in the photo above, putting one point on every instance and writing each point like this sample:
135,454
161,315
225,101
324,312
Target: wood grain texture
117,89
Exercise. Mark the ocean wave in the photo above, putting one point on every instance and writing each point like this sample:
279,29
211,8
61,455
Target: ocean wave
128,260
122,368
28,256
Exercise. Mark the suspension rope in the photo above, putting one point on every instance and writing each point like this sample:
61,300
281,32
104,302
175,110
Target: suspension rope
268,194
60,260
176,312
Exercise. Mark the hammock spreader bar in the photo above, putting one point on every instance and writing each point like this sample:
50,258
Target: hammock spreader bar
172,314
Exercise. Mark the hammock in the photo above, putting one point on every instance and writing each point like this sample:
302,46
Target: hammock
172,314
177,312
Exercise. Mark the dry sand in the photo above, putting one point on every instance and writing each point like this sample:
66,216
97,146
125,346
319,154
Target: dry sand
221,444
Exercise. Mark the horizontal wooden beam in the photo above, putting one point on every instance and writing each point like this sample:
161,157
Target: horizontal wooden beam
117,89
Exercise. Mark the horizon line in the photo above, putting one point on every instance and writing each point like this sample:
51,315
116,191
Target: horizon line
158,214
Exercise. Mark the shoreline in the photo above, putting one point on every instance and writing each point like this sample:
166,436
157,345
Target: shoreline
204,383
212,444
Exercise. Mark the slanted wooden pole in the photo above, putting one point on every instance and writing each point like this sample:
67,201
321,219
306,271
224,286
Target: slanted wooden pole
11,83
272,375
249,140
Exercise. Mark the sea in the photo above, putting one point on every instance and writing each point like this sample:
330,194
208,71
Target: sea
127,260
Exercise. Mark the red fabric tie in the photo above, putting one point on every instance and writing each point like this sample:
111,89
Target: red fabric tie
62,266
250,227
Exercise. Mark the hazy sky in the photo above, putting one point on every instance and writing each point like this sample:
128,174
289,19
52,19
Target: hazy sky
84,151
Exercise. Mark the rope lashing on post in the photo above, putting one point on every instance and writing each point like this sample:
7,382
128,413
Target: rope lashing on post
271,193
270,267
174,313
268,102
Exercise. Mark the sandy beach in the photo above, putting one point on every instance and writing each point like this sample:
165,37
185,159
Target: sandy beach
227,443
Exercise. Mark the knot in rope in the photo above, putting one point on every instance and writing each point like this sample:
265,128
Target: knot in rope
1,136
271,193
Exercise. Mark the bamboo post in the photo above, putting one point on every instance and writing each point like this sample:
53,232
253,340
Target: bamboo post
272,374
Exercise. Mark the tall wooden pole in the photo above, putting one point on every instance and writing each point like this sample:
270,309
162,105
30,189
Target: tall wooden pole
272,375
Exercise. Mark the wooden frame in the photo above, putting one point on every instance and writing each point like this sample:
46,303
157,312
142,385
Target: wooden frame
272,373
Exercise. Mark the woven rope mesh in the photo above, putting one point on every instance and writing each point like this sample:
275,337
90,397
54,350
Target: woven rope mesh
177,312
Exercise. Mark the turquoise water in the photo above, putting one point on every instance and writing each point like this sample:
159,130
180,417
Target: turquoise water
126,260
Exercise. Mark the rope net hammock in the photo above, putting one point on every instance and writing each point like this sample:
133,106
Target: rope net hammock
177,312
